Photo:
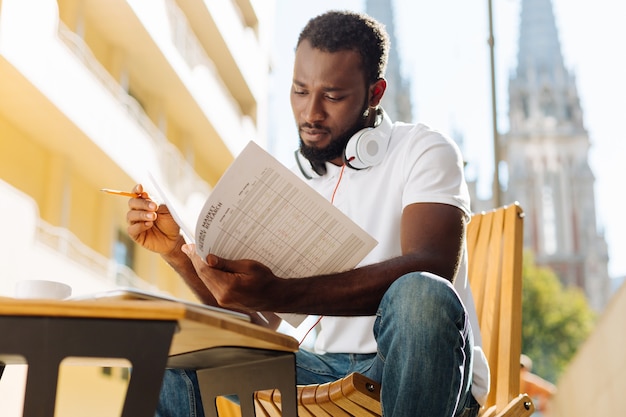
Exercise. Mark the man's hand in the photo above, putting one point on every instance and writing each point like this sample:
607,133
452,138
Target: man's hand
242,284
151,226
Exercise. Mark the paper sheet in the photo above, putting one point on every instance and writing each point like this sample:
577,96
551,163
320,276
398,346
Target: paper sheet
165,199
261,210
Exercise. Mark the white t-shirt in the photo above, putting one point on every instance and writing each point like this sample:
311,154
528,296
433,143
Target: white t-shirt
420,166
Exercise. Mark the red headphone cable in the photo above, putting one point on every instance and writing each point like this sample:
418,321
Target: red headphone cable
332,201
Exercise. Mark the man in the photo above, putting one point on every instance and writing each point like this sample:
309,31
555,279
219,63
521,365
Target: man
396,318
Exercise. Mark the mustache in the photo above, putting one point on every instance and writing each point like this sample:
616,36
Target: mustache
314,126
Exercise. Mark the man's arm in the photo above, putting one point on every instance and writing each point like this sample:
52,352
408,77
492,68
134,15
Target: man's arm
431,237
153,227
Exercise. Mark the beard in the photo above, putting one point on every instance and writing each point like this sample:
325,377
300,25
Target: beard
335,149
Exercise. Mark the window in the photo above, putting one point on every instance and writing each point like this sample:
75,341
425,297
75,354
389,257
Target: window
123,249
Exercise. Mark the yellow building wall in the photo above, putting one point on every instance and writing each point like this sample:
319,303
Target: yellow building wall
69,12
22,161
594,383
68,198
64,197
56,182
87,391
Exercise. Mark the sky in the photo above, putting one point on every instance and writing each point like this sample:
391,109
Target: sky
444,53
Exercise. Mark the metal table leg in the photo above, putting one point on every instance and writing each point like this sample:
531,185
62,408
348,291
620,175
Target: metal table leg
242,371
43,342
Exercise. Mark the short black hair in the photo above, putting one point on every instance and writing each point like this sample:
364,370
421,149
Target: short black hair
336,31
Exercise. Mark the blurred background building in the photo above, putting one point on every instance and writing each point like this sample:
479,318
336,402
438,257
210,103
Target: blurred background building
544,159
97,94
397,98
546,152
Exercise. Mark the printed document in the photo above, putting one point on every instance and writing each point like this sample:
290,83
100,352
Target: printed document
260,210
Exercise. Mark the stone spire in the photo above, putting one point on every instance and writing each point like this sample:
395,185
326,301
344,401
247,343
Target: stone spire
546,152
542,93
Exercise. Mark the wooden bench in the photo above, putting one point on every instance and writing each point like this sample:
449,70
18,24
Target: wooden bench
495,244
494,241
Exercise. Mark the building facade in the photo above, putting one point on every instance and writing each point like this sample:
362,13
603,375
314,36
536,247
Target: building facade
105,94
397,99
547,158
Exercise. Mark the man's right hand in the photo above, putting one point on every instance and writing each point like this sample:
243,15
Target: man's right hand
151,225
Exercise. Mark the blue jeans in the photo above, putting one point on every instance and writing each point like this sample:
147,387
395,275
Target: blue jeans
423,362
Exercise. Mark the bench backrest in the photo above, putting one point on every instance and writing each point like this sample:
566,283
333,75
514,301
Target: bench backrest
495,241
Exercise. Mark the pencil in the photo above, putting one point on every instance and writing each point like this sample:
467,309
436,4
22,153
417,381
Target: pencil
122,193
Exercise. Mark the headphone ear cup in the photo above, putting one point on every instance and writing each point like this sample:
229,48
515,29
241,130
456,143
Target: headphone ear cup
368,146
365,149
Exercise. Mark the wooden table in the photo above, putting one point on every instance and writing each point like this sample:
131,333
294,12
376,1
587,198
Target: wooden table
151,335
232,356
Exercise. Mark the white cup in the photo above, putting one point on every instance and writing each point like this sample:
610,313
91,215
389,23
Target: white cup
42,289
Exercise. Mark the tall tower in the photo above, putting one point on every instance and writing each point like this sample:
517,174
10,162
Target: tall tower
546,151
397,99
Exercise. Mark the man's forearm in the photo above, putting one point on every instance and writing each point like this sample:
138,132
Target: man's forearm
352,293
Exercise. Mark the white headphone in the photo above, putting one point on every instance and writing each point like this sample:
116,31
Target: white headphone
365,148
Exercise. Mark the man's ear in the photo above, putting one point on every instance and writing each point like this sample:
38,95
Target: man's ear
376,92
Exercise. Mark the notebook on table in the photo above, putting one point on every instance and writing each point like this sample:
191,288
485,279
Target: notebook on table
125,293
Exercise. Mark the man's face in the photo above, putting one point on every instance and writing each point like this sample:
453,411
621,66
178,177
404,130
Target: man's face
328,99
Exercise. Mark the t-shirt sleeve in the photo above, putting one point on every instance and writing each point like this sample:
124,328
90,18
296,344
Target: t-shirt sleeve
433,170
